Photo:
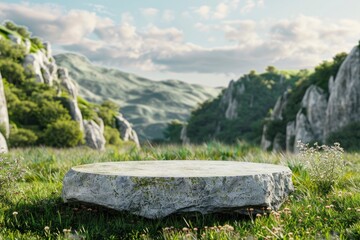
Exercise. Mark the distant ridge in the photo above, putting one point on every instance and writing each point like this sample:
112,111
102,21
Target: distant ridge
148,105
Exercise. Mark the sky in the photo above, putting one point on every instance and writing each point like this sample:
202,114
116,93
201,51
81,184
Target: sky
203,42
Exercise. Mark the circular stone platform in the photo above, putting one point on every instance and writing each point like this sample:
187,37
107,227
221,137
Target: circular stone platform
155,189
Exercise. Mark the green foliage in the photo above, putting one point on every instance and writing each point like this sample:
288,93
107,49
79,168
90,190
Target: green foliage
347,136
21,30
107,112
12,71
36,45
63,133
173,131
112,136
261,92
87,109
20,137
50,112
11,51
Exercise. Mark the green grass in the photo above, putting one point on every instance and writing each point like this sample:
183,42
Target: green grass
33,208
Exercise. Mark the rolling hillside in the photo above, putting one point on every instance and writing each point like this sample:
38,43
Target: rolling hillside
148,105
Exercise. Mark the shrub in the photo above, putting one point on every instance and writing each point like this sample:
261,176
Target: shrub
112,136
172,132
20,137
107,112
50,112
63,133
86,109
324,164
347,136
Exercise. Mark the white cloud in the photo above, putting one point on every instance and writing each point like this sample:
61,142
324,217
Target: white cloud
251,4
221,11
202,27
287,43
203,11
149,12
168,15
127,17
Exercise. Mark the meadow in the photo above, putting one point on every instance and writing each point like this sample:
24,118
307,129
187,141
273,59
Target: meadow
31,206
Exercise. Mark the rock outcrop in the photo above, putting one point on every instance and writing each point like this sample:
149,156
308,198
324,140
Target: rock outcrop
183,135
344,101
315,103
265,143
72,89
127,133
229,100
4,117
322,113
3,144
94,135
42,66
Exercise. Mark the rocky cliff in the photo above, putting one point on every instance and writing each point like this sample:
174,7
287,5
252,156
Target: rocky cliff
34,60
323,112
238,112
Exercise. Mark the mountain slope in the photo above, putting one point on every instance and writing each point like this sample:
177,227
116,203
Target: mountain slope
148,105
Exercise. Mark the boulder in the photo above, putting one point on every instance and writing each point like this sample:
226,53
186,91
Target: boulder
15,39
344,101
75,112
4,117
127,133
155,189
315,103
94,137
3,144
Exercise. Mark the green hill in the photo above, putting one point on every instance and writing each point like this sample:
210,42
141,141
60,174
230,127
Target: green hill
148,105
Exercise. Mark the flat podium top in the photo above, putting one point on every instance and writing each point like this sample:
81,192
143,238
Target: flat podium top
180,168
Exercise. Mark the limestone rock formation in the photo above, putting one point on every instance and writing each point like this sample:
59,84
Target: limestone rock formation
315,103
277,143
155,189
303,130
279,107
290,136
72,89
4,117
344,100
183,136
127,133
43,67
3,144
229,99
94,135
265,143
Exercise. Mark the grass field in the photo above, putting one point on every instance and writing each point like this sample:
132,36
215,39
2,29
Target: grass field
32,208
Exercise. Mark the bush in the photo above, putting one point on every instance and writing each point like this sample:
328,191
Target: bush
347,136
50,112
107,112
63,133
21,137
112,136
86,109
324,163
172,132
